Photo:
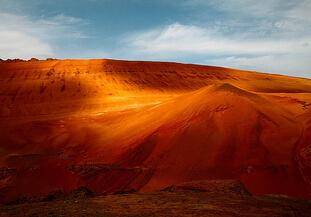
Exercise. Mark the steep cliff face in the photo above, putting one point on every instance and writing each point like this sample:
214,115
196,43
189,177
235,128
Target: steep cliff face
119,125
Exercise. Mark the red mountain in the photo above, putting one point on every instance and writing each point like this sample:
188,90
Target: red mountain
119,125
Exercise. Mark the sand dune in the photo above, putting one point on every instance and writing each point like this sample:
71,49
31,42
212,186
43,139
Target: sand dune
119,125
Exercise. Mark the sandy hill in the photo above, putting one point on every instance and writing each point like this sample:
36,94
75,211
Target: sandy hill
119,125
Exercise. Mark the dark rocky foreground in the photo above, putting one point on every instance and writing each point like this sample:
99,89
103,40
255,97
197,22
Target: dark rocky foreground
205,198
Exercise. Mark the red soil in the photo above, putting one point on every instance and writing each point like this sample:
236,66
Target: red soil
119,125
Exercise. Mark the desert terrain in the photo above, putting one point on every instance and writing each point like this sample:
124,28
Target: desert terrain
223,198
127,126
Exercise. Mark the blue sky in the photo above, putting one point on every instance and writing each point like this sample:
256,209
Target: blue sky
267,35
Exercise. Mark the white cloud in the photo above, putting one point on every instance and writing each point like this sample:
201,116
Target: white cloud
17,44
24,37
283,64
177,41
281,29
177,38
301,11
265,17
248,7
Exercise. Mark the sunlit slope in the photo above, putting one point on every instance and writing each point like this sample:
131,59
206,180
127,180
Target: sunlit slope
144,126
69,86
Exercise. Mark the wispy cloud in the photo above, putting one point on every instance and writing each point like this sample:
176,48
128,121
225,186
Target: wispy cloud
268,35
283,15
178,41
253,8
297,65
188,39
